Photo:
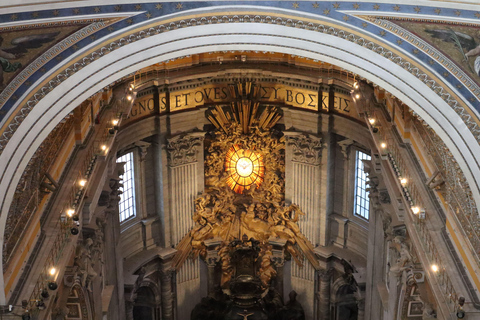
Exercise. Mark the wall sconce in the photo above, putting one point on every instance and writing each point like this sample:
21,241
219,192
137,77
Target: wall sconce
115,124
70,212
52,285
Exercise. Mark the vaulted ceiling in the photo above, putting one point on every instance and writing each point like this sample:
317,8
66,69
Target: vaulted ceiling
54,55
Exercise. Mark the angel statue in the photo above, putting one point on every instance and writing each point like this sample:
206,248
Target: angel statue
19,46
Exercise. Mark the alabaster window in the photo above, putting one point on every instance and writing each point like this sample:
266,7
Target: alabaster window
127,198
361,205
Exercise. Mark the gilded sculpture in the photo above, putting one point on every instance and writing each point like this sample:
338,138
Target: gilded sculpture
259,211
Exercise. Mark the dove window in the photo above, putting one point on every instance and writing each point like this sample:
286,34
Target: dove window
244,167
127,197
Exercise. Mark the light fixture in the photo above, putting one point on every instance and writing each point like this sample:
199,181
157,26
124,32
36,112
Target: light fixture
82,182
45,293
415,210
355,85
70,212
103,147
52,271
372,121
129,97
357,96
403,181
52,285
383,145
115,122
434,268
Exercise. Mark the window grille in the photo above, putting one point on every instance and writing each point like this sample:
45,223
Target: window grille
127,198
362,202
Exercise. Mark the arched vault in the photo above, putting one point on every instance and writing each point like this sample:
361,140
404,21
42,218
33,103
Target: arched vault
120,54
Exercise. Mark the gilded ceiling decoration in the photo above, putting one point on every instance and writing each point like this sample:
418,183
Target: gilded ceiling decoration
258,212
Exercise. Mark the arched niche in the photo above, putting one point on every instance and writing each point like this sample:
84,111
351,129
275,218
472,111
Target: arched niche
129,57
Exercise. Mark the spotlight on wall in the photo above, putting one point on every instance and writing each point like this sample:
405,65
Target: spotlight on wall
52,285
52,271
129,98
415,210
355,85
103,147
357,96
82,182
371,120
45,293
383,145
434,268
403,181
115,124
70,212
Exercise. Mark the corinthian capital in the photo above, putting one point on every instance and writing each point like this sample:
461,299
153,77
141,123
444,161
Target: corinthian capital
305,148
183,149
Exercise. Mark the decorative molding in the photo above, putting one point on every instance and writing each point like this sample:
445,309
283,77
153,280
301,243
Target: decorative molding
183,149
305,148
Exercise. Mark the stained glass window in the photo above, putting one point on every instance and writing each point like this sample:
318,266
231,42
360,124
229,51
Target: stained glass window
244,168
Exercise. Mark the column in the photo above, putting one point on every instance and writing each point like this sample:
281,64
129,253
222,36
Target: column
185,168
325,277
166,286
302,180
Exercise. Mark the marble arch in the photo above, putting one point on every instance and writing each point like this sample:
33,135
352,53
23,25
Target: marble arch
218,37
